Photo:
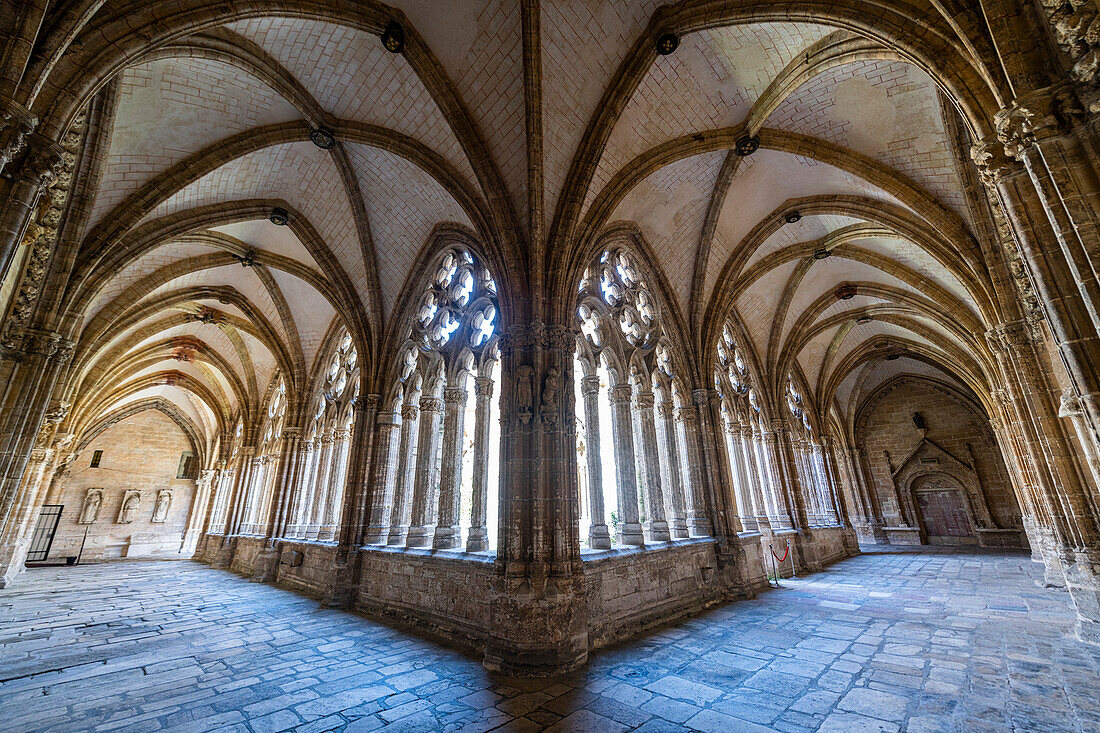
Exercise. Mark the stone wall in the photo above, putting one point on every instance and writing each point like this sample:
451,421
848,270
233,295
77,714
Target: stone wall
953,424
630,590
140,453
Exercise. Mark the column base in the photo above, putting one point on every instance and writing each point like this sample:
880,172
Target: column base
699,526
376,535
630,533
420,536
12,558
1083,583
477,540
340,592
658,531
679,528
870,533
599,537
223,555
537,632
398,535
447,538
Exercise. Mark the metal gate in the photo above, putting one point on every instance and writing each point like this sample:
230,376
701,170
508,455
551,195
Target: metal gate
44,532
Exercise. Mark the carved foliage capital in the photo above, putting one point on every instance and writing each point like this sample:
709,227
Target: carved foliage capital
994,165
1037,115
43,163
16,124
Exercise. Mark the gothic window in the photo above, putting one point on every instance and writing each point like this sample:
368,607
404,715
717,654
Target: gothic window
630,448
441,433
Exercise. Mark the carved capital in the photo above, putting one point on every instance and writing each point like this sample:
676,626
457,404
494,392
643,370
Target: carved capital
431,404
454,397
685,415
371,402
43,163
590,385
483,387
620,393
1070,405
16,124
1037,115
993,164
700,396
666,409
643,401
409,412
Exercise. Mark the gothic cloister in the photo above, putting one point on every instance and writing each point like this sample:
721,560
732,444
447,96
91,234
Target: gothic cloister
539,328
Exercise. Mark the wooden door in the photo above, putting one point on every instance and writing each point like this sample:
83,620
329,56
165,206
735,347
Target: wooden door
944,513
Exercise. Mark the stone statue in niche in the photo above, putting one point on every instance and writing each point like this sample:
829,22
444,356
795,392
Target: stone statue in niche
89,510
128,512
524,392
160,509
549,409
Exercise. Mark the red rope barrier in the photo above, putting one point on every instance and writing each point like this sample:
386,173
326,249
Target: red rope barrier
781,559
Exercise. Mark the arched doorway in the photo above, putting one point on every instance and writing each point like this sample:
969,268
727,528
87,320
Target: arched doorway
943,511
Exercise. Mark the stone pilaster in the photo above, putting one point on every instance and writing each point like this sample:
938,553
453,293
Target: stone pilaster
43,161
337,486
16,125
687,419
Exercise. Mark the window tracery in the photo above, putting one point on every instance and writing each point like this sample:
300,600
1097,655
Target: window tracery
632,485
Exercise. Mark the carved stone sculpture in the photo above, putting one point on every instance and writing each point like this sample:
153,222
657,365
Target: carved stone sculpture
89,510
160,509
549,409
128,512
524,392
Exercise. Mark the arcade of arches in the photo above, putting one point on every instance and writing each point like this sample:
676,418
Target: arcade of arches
536,324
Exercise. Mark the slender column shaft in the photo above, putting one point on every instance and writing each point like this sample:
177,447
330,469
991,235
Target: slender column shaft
741,491
656,524
671,476
406,462
322,478
687,419
334,493
448,530
478,540
384,478
753,476
599,538
626,478
427,474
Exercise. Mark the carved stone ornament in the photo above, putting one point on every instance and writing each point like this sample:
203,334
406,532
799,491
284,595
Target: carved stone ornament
89,509
164,503
1037,115
992,163
549,409
44,162
16,124
127,513
524,392
1070,405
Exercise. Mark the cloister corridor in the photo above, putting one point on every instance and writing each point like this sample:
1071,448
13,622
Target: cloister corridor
913,639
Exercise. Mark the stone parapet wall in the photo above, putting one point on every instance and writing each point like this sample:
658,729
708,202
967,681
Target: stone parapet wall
628,591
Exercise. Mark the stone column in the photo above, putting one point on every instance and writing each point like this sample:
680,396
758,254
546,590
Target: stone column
478,541
241,486
38,171
384,479
656,524
304,495
17,533
629,531
741,491
322,477
599,538
770,452
538,613
426,478
336,488
200,507
448,528
406,462
753,476
16,125
671,476
687,419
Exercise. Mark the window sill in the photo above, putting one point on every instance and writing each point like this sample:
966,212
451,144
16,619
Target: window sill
624,551
487,557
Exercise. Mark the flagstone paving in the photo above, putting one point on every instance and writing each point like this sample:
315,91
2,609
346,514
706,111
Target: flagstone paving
917,640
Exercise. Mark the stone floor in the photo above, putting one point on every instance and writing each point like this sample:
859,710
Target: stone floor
921,641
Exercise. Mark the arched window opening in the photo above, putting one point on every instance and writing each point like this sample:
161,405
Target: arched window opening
264,465
325,450
809,457
633,441
441,436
